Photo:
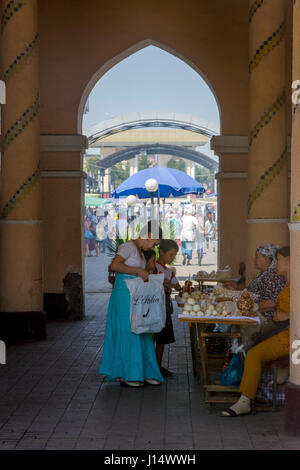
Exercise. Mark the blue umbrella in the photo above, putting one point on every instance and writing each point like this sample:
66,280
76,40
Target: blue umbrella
172,183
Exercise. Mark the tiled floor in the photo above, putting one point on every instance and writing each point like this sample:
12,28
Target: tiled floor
51,397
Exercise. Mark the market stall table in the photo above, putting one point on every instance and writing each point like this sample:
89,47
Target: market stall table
210,282
198,334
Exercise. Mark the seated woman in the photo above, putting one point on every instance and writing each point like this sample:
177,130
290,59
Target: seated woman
268,283
268,350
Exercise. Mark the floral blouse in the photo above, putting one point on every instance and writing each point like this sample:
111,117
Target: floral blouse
267,286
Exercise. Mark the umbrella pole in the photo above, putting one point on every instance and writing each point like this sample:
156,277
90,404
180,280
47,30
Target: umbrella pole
158,201
152,209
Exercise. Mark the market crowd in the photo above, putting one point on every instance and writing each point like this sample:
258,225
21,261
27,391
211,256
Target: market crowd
98,230
194,229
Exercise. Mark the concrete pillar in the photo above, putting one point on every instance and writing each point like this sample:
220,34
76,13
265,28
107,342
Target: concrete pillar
267,170
131,167
292,411
63,244
157,160
136,164
193,169
107,181
20,196
189,167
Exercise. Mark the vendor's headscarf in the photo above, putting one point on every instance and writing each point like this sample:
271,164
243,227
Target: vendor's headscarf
270,251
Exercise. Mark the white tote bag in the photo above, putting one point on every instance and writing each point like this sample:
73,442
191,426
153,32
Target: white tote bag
147,304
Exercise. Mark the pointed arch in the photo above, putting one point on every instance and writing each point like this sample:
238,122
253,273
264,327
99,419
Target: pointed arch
123,55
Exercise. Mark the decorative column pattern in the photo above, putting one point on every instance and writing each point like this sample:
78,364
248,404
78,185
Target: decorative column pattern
292,411
20,199
268,173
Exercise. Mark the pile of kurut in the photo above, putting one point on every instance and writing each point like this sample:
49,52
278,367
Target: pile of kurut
219,303
204,305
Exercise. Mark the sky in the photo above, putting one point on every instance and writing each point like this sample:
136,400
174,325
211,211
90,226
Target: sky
150,80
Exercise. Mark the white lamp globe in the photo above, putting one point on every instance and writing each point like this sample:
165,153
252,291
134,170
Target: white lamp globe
151,185
131,201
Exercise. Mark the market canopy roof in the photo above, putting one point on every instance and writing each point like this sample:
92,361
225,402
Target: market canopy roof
95,201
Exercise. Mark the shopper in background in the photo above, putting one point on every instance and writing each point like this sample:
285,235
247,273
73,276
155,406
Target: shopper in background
189,224
210,232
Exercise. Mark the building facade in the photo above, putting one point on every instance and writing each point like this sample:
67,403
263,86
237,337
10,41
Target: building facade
53,53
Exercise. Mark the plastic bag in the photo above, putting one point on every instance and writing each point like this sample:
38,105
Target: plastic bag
147,304
232,375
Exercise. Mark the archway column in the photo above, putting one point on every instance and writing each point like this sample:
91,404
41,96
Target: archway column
232,198
21,275
292,411
63,227
267,208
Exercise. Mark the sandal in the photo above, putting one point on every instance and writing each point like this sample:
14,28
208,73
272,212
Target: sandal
125,383
232,414
152,382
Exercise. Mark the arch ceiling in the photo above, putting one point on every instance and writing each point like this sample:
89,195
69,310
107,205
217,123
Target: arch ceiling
143,120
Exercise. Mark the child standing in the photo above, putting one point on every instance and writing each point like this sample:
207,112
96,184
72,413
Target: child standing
168,250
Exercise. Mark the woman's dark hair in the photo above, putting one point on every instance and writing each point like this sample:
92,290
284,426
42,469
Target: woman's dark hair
167,245
284,251
149,254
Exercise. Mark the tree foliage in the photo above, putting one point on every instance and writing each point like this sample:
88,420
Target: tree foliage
92,164
144,162
177,164
203,175
119,173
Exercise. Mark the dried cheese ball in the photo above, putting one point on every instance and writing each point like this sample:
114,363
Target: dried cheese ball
188,308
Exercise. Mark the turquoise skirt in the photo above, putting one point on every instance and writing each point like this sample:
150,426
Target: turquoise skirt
126,354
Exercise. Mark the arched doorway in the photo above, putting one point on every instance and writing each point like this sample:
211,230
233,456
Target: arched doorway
115,126
68,73
123,55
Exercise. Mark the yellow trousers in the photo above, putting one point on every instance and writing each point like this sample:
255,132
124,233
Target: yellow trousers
256,357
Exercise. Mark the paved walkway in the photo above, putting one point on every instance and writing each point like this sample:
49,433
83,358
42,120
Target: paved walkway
51,397
96,270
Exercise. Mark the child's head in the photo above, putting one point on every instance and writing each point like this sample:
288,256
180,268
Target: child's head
150,257
168,250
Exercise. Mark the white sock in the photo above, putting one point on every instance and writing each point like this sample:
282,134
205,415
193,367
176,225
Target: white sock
243,405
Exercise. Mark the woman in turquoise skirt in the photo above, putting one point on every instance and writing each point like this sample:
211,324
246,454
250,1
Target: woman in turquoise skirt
128,357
